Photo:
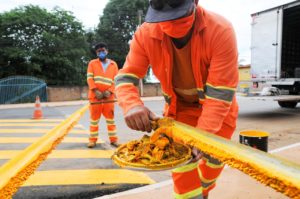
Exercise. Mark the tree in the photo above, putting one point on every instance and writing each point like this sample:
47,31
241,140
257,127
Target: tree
118,24
48,45
91,38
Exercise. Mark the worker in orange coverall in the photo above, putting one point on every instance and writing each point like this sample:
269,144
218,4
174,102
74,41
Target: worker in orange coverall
100,78
193,53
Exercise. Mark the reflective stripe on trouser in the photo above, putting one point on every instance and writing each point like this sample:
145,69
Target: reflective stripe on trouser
197,179
209,171
96,110
111,129
187,183
94,127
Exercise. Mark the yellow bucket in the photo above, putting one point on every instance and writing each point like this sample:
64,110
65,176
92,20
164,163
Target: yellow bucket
255,138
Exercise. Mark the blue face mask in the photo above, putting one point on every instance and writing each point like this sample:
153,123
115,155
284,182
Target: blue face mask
102,55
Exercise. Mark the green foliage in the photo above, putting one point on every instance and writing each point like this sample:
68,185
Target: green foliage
118,24
91,39
49,45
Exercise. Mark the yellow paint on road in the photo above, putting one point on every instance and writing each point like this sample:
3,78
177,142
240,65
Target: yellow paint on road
20,140
29,120
73,131
29,124
35,124
92,176
68,154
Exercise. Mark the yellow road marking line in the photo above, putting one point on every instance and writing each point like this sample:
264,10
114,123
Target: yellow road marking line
15,140
74,131
35,124
30,120
9,154
91,176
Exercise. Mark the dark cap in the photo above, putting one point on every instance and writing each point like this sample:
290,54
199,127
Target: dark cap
167,10
100,45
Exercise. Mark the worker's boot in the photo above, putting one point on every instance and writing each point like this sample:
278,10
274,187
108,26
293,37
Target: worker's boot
115,144
91,144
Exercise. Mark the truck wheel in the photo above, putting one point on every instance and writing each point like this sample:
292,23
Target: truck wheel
287,104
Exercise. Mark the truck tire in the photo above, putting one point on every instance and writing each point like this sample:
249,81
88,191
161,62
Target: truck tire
287,104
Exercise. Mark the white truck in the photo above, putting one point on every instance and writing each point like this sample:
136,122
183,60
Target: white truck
275,53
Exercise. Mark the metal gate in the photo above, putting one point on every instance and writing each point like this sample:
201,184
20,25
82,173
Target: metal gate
22,89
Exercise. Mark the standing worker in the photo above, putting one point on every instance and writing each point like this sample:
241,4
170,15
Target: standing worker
193,53
100,78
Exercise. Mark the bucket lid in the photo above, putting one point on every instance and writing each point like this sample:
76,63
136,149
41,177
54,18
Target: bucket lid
254,133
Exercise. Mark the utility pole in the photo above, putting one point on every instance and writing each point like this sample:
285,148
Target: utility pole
140,14
141,85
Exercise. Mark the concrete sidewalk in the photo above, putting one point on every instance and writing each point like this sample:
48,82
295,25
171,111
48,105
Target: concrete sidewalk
66,103
232,184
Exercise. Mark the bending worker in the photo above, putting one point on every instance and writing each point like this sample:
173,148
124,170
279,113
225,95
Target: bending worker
100,75
193,53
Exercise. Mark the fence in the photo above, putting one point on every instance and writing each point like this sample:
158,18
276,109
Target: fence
22,89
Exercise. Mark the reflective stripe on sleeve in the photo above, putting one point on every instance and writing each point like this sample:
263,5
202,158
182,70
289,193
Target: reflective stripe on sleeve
127,78
89,76
222,93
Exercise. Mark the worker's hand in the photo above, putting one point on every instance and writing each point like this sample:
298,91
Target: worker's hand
106,94
99,94
139,118
197,155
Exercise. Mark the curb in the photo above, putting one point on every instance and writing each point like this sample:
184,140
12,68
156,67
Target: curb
146,188
66,103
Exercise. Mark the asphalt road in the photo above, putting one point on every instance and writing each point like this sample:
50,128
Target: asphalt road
282,124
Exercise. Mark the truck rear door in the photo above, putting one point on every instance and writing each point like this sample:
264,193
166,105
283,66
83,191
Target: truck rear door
266,44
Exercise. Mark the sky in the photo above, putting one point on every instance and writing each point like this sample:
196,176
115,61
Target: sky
236,11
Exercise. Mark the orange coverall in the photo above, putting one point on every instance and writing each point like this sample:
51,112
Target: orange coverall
102,80
215,71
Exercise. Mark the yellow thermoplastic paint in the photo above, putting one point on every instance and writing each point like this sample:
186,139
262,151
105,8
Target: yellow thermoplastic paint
15,171
67,154
35,124
30,120
14,140
97,176
280,174
73,131
29,124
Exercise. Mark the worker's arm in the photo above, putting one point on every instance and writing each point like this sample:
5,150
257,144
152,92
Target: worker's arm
90,77
221,82
136,115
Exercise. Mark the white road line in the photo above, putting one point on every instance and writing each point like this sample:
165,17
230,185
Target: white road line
285,148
